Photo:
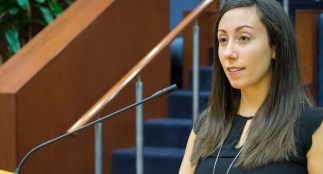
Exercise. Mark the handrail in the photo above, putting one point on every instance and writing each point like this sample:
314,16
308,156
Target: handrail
109,95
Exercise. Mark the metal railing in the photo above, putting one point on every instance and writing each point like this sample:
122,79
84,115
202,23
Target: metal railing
286,6
196,74
110,94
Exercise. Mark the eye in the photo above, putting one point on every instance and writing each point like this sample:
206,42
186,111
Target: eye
222,40
244,39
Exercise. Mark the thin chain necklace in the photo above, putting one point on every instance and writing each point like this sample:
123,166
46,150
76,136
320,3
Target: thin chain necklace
217,157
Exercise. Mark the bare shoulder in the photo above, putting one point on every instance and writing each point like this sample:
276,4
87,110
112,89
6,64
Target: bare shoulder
186,166
315,154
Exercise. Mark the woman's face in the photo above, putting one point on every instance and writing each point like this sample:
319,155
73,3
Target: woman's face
244,50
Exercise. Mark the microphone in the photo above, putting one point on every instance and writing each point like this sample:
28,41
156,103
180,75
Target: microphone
165,91
160,93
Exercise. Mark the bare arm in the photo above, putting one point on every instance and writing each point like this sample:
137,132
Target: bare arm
315,154
186,166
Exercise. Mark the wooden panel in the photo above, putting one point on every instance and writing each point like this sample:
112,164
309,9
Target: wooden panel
306,33
58,75
213,8
206,22
8,131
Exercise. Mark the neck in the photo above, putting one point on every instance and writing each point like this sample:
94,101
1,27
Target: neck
251,100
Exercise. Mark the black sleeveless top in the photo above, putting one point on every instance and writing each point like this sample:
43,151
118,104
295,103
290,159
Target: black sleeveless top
309,121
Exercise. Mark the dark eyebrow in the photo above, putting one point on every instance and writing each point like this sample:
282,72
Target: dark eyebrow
237,29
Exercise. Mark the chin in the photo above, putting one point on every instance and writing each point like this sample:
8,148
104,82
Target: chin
236,86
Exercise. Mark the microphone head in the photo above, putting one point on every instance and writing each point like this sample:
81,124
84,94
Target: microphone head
170,89
165,91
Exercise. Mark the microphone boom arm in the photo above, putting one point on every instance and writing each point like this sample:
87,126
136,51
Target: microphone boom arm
162,92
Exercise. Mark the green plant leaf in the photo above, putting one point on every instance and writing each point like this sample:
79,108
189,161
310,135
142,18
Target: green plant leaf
19,19
54,7
47,14
23,3
2,14
13,10
12,39
40,1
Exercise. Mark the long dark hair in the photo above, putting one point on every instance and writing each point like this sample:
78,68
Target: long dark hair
272,136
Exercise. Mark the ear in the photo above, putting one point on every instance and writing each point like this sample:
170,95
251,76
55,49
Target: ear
273,53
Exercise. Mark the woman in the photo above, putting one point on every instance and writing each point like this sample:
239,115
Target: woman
259,118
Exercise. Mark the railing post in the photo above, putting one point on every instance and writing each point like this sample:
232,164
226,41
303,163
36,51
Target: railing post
221,3
139,129
286,6
98,148
196,64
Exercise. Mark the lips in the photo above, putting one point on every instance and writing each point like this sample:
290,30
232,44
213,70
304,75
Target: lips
234,70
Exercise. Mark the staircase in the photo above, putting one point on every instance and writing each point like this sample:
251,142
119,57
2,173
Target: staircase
165,139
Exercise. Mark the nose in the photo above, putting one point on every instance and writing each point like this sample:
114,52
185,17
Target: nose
230,51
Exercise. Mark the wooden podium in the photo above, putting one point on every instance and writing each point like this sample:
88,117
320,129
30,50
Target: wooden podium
65,69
